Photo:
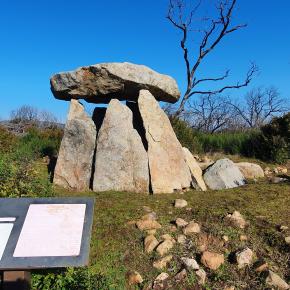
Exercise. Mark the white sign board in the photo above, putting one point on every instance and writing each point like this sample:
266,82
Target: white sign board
51,230
5,231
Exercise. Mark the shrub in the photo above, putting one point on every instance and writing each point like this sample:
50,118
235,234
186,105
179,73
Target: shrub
8,141
273,144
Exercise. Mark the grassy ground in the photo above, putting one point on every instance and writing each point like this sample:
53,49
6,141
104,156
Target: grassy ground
117,246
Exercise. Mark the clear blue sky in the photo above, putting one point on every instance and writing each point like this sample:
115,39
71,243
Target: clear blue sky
40,38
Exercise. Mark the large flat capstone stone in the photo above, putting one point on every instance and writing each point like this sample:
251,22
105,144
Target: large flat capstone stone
168,169
121,161
74,163
223,174
102,82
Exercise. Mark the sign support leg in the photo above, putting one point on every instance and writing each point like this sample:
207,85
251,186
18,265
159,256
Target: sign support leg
16,280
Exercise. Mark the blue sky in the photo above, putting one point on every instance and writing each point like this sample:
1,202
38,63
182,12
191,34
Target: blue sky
40,38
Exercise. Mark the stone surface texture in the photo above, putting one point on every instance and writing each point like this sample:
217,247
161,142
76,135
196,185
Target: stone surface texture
105,81
212,260
168,169
121,161
223,174
250,170
75,158
195,170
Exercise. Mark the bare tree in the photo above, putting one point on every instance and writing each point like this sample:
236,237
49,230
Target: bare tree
182,17
209,113
260,106
47,118
24,114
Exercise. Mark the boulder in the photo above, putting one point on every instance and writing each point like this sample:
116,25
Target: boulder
250,170
121,162
244,257
190,263
145,225
74,163
168,169
181,222
223,174
201,276
236,220
150,243
191,228
105,81
180,203
134,278
195,170
162,263
164,247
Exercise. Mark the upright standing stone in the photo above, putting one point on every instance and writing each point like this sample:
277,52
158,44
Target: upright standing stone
121,161
168,169
74,164
195,170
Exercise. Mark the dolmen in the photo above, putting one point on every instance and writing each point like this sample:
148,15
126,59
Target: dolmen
128,144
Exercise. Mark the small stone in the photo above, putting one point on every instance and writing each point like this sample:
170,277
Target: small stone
145,225
201,275
283,228
192,228
244,257
180,203
237,220
261,266
212,260
168,237
188,209
190,263
147,208
287,240
162,263
134,278
173,228
159,282
243,238
180,276
150,243
181,222
226,238
181,239
276,281
164,247
149,216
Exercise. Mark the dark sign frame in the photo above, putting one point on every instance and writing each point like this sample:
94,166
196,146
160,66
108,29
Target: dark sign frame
18,207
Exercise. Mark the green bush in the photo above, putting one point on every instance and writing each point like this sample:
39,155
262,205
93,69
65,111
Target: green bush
8,141
273,144
70,278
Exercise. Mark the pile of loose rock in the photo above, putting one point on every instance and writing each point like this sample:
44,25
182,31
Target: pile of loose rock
199,262
132,146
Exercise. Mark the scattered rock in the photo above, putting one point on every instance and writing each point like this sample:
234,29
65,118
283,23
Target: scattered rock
283,228
146,208
173,228
145,225
244,257
151,232
243,238
250,170
159,282
195,170
261,266
236,219
73,168
226,238
277,180
180,203
149,216
101,82
150,243
181,239
181,222
223,174
212,260
121,161
168,237
162,263
134,278
180,276
201,276
229,288
164,247
287,240
190,263
168,170
276,281
191,228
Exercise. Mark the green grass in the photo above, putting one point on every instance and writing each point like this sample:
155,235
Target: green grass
116,246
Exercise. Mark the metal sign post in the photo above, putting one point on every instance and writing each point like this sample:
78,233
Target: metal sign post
41,234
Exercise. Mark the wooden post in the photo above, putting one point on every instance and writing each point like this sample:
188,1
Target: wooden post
16,280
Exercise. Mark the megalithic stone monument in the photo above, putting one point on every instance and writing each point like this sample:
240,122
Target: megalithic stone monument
124,147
